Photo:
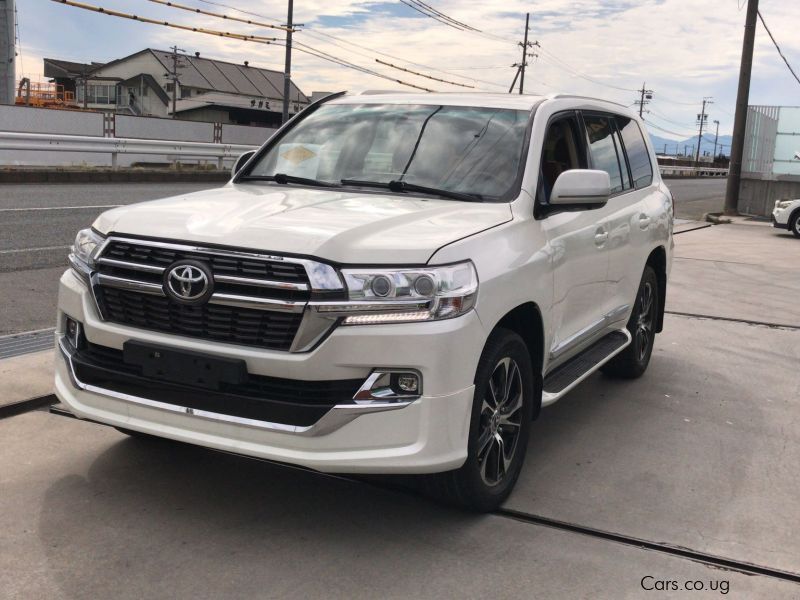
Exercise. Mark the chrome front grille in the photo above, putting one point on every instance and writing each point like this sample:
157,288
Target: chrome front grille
230,267
257,300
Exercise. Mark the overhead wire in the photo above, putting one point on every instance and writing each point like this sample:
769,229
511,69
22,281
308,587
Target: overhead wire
214,32
387,64
777,47
442,15
241,37
218,15
317,34
430,15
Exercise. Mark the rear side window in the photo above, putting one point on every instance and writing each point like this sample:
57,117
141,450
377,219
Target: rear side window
636,149
606,151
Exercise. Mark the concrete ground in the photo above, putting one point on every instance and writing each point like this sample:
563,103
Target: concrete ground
700,453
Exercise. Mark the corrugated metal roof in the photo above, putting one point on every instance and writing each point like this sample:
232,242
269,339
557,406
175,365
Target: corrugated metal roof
221,76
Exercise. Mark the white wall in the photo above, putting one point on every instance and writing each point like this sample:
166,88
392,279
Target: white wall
42,120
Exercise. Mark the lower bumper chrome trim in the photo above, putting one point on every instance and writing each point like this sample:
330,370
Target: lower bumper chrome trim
336,418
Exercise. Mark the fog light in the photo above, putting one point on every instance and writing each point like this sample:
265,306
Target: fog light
73,331
407,382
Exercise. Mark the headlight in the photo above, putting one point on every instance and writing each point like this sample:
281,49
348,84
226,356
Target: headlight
783,203
83,250
405,295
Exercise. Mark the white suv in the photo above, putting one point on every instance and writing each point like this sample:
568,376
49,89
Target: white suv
786,215
393,283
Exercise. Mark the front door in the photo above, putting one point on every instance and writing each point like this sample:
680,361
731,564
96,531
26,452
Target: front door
577,241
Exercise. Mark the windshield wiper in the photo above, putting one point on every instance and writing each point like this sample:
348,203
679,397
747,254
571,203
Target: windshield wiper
283,179
403,186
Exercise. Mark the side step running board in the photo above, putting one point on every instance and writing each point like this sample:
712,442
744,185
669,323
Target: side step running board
571,373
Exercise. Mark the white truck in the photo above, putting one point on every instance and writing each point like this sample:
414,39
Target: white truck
393,283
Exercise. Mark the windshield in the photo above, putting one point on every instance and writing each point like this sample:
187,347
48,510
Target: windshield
467,150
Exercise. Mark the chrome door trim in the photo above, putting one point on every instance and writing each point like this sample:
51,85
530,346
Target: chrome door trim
577,338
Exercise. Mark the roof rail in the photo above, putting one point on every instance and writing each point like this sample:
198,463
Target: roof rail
560,95
377,92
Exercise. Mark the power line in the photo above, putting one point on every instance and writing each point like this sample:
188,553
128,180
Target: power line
241,37
114,13
317,34
379,61
212,14
777,47
554,60
444,16
431,15
330,58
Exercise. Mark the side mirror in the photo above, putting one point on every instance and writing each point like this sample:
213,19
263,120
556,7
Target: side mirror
582,187
241,161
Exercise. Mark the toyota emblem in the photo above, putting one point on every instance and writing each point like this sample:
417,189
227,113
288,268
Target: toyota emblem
189,282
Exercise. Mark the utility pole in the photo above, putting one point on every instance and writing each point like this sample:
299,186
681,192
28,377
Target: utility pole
287,71
524,54
740,118
646,96
8,52
521,66
716,139
85,73
701,120
516,76
173,76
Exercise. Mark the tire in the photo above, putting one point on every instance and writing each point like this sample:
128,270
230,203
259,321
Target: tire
632,362
486,478
794,224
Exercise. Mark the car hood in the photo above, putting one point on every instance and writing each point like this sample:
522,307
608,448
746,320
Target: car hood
340,226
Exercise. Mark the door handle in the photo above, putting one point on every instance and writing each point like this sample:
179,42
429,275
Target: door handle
644,221
600,238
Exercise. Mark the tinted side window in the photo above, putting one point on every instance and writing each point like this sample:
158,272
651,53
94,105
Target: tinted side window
606,151
561,152
636,149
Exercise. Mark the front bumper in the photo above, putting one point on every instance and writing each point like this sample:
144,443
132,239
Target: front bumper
780,218
428,434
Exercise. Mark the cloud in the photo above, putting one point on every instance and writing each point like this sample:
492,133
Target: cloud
683,49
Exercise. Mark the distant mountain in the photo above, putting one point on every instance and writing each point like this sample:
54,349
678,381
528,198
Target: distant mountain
660,143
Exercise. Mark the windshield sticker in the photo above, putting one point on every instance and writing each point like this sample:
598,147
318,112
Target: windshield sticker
300,160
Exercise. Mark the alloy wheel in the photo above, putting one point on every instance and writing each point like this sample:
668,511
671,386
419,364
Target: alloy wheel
500,421
644,321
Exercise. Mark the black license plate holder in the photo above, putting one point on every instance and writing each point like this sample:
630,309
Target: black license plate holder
184,367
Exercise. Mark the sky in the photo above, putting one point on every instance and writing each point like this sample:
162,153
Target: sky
682,50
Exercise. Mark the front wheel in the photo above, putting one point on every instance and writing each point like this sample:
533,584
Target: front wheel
502,410
632,362
794,224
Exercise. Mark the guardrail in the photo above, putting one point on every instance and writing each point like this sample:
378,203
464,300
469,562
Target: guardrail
693,171
116,146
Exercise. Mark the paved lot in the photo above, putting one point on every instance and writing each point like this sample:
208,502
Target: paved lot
696,197
701,453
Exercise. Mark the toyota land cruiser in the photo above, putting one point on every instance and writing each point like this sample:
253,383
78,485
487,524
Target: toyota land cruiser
393,283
